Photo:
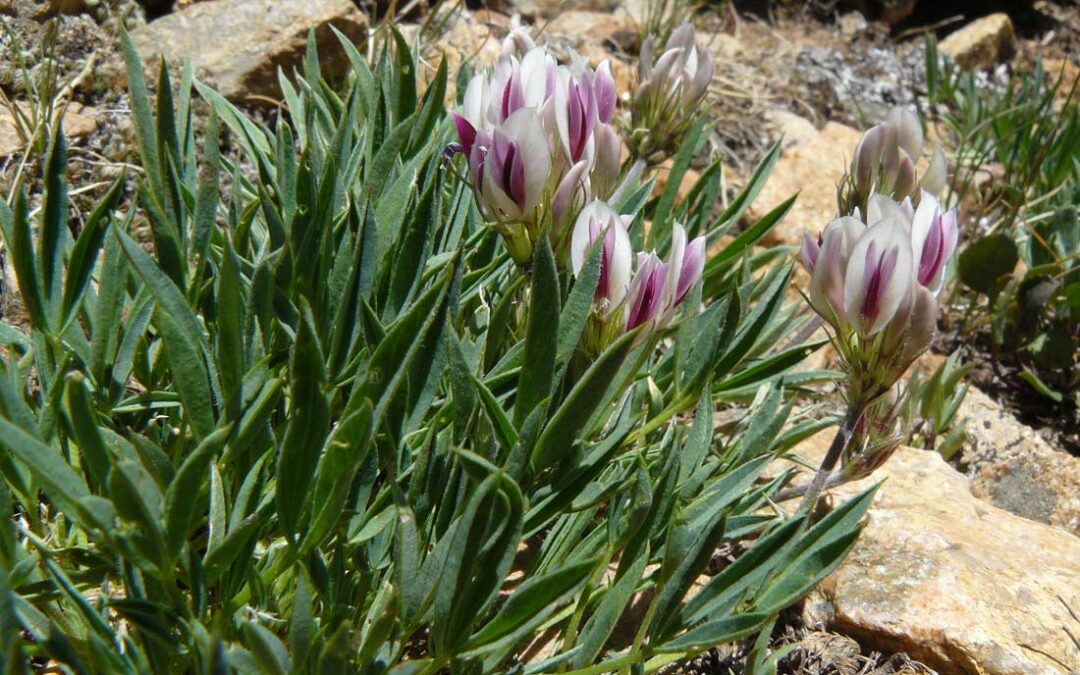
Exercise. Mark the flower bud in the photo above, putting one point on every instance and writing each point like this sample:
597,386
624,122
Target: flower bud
573,193
879,276
607,162
811,246
923,323
575,115
647,292
908,129
684,267
934,237
867,159
830,263
518,42
693,266
669,89
515,168
904,182
933,181
606,95
599,219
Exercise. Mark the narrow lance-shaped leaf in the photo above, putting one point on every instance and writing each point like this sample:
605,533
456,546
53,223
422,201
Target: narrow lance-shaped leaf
180,496
541,334
308,424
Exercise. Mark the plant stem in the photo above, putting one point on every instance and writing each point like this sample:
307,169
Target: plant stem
833,480
836,449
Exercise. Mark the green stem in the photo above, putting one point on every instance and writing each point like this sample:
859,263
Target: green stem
608,666
836,449
639,637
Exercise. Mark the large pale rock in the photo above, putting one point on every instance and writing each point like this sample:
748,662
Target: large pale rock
955,582
982,43
1013,467
237,46
811,168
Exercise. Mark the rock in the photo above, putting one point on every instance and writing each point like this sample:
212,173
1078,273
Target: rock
791,128
811,168
852,23
237,46
982,43
476,39
893,12
581,29
1068,70
1014,468
955,582
596,36
547,9
79,122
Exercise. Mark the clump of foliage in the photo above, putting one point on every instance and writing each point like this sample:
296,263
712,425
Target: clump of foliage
322,421
1021,248
932,406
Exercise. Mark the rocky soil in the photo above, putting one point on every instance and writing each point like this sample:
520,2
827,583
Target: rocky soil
965,568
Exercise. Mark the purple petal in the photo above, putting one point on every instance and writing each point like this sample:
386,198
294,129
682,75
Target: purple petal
693,266
465,130
811,247
606,96
932,251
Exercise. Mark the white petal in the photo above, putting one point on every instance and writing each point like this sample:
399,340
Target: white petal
885,235
525,128
920,225
675,262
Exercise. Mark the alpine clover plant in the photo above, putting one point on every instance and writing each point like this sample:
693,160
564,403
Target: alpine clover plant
876,272
339,417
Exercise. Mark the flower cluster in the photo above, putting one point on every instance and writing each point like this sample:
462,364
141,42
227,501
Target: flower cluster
539,142
668,86
884,163
876,283
627,298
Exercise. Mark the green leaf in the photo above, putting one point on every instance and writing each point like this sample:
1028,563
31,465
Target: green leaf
53,232
345,451
745,198
267,648
985,261
19,239
602,622
180,496
309,422
579,303
48,467
535,380
83,420
660,234
580,404
1029,376
714,633
818,552
84,255
532,602
183,334
477,562
725,259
